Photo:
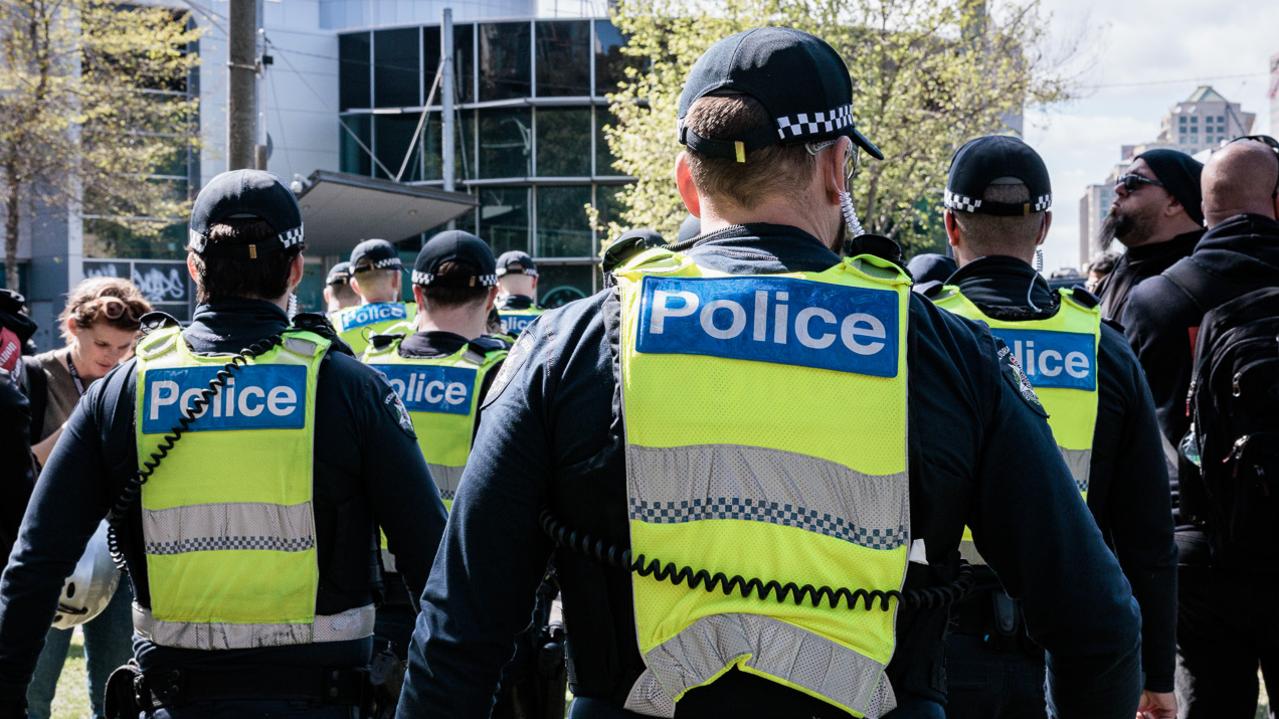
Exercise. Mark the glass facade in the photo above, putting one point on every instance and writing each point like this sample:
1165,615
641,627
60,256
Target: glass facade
531,107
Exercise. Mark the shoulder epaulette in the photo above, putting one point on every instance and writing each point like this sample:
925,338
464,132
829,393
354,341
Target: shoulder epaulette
876,245
1084,297
489,343
154,320
320,325
382,341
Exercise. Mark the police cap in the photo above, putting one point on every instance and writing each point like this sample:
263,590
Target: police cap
245,194
800,80
375,255
339,275
473,261
514,262
996,160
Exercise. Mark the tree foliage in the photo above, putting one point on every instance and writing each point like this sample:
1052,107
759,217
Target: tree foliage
927,76
93,105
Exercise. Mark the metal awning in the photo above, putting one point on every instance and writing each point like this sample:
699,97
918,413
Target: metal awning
340,209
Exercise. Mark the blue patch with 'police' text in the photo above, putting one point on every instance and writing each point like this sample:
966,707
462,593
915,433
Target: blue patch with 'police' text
771,319
365,315
513,325
431,388
1064,360
255,397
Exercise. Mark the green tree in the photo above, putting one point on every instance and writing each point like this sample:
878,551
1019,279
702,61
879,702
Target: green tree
93,105
927,76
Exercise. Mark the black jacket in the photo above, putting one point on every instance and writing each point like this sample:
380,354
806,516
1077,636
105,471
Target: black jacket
1139,264
367,469
1237,256
552,437
18,474
1128,482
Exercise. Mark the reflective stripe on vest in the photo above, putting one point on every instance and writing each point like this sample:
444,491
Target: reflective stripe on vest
355,325
1059,356
442,397
516,321
765,426
227,518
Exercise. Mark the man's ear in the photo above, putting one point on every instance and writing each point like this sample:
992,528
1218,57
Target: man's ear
953,233
492,299
1043,228
297,268
830,163
191,271
419,298
355,285
687,190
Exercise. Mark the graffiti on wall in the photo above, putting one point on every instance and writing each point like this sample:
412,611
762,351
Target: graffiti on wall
160,282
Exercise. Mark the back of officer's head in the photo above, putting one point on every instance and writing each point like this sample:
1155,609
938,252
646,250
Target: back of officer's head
455,270
766,120
245,238
376,271
997,199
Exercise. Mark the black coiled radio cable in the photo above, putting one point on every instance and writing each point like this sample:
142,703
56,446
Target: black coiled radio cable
615,556
133,486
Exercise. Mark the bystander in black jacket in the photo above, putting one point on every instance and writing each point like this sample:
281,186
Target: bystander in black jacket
552,437
1235,257
17,470
1128,481
1139,264
368,471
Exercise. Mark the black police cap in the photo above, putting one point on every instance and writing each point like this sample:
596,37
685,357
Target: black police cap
245,194
800,80
375,255
475,263
991,160
340,274
515,262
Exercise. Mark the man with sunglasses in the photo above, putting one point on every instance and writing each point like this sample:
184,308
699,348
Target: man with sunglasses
1227,591
715,455
1156,216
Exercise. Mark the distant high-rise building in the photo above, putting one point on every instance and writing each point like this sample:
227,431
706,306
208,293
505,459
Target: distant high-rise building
1093,207
1274,93
1200,122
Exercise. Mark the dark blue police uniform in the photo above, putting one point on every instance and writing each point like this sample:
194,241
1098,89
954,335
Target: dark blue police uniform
552,437
368,471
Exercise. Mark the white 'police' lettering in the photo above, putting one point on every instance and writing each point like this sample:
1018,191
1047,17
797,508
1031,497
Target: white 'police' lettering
371,313
1053,359
771,319
255,397
431,388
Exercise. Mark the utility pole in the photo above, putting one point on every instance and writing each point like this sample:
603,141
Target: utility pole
446,110
242,112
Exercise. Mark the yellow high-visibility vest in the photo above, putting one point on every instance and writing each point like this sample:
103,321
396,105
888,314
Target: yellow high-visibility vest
766,437
227,518
355,325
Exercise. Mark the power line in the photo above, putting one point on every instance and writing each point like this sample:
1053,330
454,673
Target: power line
1145,83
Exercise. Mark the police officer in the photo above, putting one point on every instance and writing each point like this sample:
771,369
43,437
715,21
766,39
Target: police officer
376,273
1099,407
246,516
338,294
516,291
735,414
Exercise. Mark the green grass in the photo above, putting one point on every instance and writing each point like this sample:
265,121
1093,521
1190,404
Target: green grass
72,699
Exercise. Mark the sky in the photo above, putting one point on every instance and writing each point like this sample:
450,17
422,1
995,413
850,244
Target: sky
1137,59
1133,60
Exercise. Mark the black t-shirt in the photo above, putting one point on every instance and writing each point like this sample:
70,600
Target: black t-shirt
1139,264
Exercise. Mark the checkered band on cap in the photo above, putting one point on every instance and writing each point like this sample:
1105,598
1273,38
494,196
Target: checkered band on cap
386,262
289,238
807,124
962,203
426,278
1043,202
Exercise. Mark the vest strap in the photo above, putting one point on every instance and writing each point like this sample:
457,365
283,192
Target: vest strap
352,624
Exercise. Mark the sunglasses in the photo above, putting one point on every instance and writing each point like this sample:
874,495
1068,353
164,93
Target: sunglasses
1270,142
114,308
1131,182
852,163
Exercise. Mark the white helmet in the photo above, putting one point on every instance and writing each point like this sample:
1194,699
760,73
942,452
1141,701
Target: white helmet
91,585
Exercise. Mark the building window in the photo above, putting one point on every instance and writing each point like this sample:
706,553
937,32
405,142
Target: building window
506,142
609,203
463,146
562,228
431,62
392,135
504,218
464,62
604,157
396,78
560,132
504,61
610,64
1182,120
353,157
563,58
557,285
353,71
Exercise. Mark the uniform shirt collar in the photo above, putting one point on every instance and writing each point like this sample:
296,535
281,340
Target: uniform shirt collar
230,325
759,248
1004,287
435,343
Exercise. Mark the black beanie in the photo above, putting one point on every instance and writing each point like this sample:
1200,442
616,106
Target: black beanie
1179,174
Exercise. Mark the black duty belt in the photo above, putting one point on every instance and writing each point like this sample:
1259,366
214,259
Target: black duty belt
172,687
